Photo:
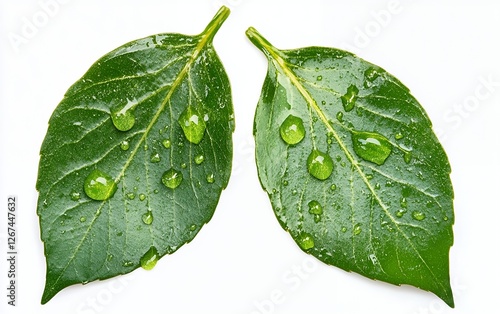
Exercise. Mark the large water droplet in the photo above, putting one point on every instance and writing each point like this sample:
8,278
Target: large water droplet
192,124
418,215
372,147
149,259
319,165
305,241
99,185
172,178
123,117
349,99
147,217
292,130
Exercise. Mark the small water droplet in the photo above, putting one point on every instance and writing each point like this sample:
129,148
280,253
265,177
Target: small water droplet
371,146
99,186
398,136
147,217
156,191
445,218
127,264
199,159
193,227
123,118
315,208
150,258
210,178
75,196
83,219
166,143
349,99
130,196
343,229
357,229
407,157
400,213
172,178
371,74
142,197
340,116
305,241
125,145
418,215
403,202
110,257
333,187
377,186
319,78
183,165
319,165
285,182
292,130
192,124
294,192
155,158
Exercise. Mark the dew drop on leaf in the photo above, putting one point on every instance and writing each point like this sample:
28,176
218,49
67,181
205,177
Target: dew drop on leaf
357,229
418,215
130,196
319,165
407,157
340,116
349,99
123,119
155,158
166,143
142,197
210,178
371,146
398,136
315,208
305,241
199,159
192,124
400,213
99,186
83,219
371,74
125,145
75,196
292,130
149,259
172,178
147,217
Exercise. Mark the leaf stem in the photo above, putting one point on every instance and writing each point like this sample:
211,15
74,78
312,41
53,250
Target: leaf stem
215,23
263,44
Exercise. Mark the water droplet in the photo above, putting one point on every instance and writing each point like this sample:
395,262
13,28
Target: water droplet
125,145
407,157
172,178
130,196
377,186
156,191
319,165
319,78
398,136
371,146
127,264
344,229
149,259
418,215
147,217
166,143
371,74
285,182
192,124
340,116
357,229
294,192
292,130
445,218
210,178
75,196
146,147
333,187
193,227
83,219
349,99
400,213
142,197
155,158
123,118
110,257
315,208
99,186
403,202
199,159
305,241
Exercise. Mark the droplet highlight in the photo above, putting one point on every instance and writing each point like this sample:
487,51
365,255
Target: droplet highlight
372,147
166,143
199,159
150,258
123,118
292,130
319,165
99,186
172,178
193,125
349,98
155,158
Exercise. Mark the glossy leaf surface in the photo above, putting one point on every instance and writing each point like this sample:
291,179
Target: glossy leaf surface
365,184
135,158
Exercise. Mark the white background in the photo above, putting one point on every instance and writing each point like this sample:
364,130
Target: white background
242,261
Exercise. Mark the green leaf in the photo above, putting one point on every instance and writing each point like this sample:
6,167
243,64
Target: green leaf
135,158
352,167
